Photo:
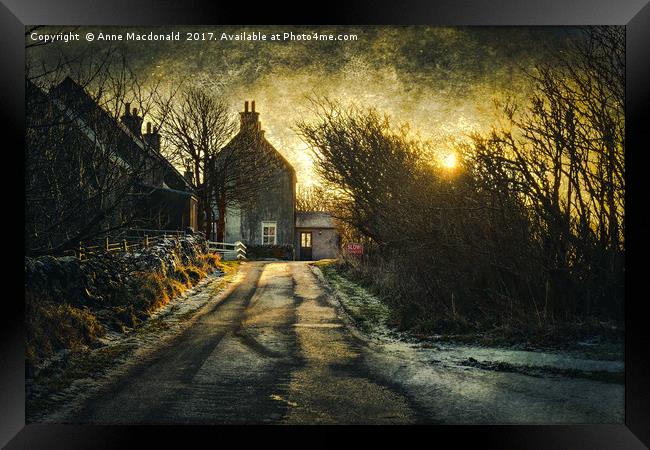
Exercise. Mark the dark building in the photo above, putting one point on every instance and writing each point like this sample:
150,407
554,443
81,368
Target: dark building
268,218
160,197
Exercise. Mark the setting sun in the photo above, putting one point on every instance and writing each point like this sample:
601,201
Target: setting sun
450,161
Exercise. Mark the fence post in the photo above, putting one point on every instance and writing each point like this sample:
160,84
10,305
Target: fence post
126,246
106,244
146,241
81,249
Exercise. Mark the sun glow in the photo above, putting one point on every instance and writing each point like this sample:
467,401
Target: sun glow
450,161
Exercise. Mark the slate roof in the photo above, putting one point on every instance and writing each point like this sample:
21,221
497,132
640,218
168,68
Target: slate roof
242,137
90,117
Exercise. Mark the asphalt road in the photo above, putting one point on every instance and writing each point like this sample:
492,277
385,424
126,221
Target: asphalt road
273,351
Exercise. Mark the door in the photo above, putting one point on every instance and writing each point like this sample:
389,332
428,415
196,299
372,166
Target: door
305,245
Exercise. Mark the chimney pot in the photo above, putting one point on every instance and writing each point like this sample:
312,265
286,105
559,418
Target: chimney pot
253,106
246,106
135,111
148,127
128,108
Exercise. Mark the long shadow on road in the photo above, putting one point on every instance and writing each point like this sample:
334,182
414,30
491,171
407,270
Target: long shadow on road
218,370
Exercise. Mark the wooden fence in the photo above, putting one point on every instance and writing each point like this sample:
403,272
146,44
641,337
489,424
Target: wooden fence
129,241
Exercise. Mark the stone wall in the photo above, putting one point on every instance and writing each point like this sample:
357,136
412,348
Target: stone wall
98,279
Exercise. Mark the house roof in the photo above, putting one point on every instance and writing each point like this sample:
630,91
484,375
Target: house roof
90,116
243,137
251,135
314,219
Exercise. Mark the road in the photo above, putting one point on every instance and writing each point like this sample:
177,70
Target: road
275,351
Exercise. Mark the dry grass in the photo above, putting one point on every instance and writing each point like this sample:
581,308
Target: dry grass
154,291
180,274
491,326
211,259
55,325
157,290
195,273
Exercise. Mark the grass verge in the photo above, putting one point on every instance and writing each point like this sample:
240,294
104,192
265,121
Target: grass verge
60,324
372,312
368,312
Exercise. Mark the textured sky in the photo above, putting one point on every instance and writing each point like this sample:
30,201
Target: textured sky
440,80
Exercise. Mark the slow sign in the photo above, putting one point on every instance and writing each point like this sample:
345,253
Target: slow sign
355,249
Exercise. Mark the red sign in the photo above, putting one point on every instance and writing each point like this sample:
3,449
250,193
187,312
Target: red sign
355,249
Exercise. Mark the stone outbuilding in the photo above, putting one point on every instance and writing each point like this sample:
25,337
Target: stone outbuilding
316,236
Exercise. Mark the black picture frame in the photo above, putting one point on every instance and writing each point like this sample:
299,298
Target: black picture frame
634,14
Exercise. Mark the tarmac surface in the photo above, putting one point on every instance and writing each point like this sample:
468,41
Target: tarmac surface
275,351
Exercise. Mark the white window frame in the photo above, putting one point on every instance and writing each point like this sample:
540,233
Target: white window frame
267,224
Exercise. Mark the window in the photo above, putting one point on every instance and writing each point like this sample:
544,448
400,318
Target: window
305,239
269,233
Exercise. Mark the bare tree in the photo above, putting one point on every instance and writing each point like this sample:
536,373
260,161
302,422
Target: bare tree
564,157
314,198
197,126
81,169
502,241
367,163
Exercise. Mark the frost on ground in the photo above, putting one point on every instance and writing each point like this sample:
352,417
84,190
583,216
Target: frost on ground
67,379
481,384
364,311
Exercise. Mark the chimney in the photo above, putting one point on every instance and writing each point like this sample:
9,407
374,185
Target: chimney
132,121
152,139
127,109
250,119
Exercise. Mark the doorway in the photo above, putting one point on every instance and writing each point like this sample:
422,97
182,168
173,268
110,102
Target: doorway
305,246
